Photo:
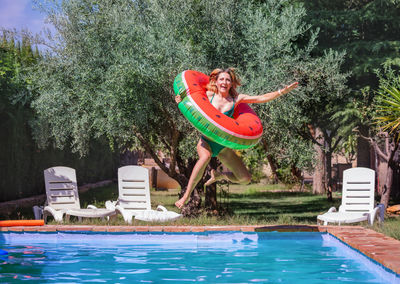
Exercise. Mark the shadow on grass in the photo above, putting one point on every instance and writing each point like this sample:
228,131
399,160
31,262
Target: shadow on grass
273,194
271,206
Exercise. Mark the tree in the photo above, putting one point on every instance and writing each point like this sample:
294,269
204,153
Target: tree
14,114
378,111
388,117
111,70
282,58
366,29
21,161
324,93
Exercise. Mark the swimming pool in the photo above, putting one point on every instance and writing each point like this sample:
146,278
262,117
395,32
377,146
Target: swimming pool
216,257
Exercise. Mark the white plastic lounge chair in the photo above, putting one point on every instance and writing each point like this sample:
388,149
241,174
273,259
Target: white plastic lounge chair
134,197
63,198
357,199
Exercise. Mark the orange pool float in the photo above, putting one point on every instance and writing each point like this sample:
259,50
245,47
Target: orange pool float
12,223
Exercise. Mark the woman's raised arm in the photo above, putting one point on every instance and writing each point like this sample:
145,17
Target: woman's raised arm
242,98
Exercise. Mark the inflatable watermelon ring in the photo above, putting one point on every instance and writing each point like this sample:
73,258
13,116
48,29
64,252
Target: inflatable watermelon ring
242,131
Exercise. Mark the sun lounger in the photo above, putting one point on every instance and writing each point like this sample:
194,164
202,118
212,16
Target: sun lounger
63,198
134,197
357,199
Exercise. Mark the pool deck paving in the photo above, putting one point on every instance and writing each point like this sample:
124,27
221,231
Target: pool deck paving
383,249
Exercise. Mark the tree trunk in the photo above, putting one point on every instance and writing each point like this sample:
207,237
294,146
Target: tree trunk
211,203
272,162
392,165
387,155
395,194
319,170
192,208
328,157
387,187
274,167
363,149
296,173
381,171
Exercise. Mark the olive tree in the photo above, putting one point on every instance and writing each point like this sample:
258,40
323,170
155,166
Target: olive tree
279,51
111,70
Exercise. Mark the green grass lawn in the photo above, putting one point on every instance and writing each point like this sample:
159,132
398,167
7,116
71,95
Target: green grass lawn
254,204
251,204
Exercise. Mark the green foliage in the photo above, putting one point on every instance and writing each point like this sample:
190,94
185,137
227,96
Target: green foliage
348,148
363,110
255,159
111,72
366,29
387,102
115,68
285,175
389,109
22,163
15,59
14,64
323,94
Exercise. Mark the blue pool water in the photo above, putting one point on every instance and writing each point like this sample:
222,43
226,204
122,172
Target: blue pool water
231,257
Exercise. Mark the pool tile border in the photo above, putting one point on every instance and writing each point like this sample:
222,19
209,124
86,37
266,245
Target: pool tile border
381,248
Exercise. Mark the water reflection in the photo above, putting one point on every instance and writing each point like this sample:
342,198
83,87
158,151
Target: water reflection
215,257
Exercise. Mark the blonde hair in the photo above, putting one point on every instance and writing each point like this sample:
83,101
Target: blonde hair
212,85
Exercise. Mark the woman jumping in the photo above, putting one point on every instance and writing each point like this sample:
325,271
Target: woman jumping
222,94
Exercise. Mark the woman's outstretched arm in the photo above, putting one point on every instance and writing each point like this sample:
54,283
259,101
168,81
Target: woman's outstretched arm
242,98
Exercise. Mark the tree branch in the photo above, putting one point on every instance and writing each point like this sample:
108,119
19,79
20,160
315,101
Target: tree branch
312,135
392,154
375,145
153,154
336,143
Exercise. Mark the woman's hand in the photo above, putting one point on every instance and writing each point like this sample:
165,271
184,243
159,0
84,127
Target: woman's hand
178,99
287,89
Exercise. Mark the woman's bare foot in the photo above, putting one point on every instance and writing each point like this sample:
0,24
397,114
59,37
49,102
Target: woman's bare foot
180,203
215,176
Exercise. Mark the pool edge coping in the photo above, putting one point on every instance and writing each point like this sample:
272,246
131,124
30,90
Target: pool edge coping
380,248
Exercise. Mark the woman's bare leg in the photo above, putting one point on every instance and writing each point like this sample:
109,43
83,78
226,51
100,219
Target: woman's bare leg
197,172
238,171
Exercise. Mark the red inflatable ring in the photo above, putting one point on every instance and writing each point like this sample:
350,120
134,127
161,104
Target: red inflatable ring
242,131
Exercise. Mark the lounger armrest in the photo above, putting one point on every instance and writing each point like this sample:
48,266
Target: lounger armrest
373,215
161,208
110,205
332,209
381,212
57,214
127,215
38,212
91,207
